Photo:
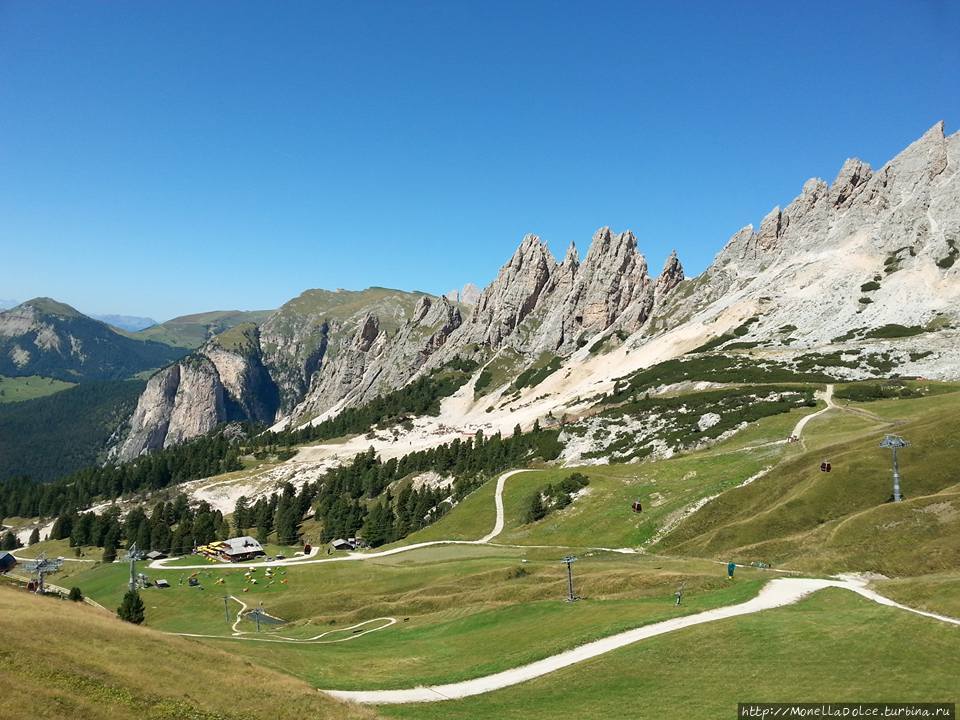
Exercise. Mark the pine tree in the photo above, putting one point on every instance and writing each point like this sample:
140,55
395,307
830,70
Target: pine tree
143,537
535,509
34,536
10,541
241,514
131,609
110,546
263,533
75,594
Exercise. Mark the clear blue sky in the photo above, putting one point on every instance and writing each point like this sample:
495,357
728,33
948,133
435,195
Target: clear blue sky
169,157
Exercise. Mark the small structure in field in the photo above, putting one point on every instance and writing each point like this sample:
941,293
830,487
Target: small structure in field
162,583
235,549
341,544
155,555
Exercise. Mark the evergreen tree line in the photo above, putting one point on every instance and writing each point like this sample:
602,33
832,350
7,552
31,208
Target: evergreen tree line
351,498
214,454
282,513
172,527
553,496
203,457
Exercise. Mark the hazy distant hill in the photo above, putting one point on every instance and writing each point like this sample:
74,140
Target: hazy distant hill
48,338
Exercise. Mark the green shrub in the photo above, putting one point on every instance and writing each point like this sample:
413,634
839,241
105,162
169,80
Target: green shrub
893,330
131,608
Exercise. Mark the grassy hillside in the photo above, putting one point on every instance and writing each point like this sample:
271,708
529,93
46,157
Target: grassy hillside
829,647
603,516
841,520
344,304
65,660
18,389
50,436
191,331
462,611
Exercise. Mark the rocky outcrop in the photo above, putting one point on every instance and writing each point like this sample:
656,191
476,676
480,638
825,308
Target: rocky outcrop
611,281
511,297
376,361
223,381
467,295
887,231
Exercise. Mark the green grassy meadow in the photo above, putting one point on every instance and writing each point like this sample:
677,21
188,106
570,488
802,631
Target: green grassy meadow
833,646
463,611
18,389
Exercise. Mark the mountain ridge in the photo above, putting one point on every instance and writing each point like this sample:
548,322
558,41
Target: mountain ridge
894,229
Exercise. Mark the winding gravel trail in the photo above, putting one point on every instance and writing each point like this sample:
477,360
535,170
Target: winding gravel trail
776,593
296,562
239,634
827,397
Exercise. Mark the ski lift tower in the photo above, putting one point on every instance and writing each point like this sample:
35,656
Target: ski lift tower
895,442
133,554
569,560
42,566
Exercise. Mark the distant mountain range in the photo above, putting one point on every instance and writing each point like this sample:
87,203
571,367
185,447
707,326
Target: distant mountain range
5,304
130,323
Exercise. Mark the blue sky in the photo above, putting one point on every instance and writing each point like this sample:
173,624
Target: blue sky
165,158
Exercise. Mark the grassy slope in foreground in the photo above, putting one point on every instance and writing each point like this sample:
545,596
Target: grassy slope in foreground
833,646
603,516
66,660
464,611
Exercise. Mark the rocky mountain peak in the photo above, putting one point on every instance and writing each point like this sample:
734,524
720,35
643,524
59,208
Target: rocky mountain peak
513,294
467,295
671,275
851,178
368,331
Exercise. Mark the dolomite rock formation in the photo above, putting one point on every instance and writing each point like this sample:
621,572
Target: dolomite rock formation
374,361
869,249
193,396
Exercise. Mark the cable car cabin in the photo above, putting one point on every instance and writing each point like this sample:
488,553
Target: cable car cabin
825,466
637,507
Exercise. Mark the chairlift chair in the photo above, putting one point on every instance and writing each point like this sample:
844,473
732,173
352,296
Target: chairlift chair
825,466
637,507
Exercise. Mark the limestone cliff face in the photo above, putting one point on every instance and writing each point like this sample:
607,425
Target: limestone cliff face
536,305
375,361
223,381
611,286
320,350
511,297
